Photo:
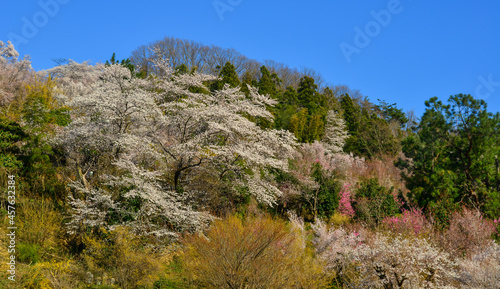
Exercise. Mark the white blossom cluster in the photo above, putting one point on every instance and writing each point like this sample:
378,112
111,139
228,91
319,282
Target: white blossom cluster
482,270
397,262
13,71
141,141
214,129
383,261
336,246
335,132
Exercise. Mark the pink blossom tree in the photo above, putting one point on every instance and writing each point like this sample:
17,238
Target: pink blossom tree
345,202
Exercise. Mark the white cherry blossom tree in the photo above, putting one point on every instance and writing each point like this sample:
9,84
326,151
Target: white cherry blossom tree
142,142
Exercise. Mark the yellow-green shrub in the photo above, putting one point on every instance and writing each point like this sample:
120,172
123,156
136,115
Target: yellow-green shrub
64,274
338,219
117,258
39,226
255,253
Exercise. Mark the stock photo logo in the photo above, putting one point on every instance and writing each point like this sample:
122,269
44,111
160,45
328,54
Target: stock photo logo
32,25
371,29
221,7
486,87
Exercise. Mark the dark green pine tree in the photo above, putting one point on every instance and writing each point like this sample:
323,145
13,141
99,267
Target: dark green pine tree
227,75
308,95
332,101
285,109
11,133
352,117
269,83
181,69
391,113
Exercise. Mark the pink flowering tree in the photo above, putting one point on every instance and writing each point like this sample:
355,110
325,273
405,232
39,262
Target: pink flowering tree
345,201
411,221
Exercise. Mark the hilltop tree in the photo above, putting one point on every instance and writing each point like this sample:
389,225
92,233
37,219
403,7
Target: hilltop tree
269,83
352,117
308,95
227,75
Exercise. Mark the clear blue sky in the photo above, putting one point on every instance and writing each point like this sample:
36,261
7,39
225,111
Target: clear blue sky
425,49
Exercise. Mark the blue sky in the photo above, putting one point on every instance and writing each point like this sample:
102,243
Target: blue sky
400,51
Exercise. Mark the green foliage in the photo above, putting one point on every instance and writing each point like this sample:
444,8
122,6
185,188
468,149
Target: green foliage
28,253
453,155
289,97
374,202
298,124
118,258
125,63
391,113
11,133
284,114
327,194
269,83
181,69
492,204
43,115
302,112
227,75
352,114
370,129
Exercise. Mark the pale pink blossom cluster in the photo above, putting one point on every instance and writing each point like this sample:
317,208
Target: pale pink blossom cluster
468,232
303,162
481,270
359,260
349,166
410,221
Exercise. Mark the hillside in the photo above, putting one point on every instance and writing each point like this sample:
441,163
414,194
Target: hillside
192,166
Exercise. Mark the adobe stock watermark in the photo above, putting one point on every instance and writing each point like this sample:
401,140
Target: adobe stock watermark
486,87
32,25
371,29
223,6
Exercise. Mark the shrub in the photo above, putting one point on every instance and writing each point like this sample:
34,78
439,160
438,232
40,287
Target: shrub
38,228
359,260
481,270
398,262
54,274
338,219
468,232
410,221
28,253
117,258
335,247
255,253
374,202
